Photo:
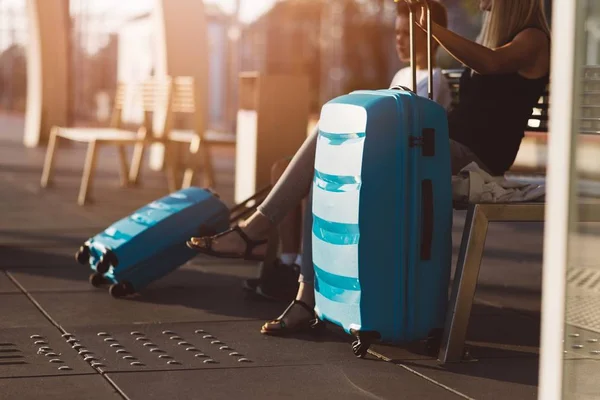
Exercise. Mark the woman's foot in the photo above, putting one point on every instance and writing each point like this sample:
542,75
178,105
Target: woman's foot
247,240
298,316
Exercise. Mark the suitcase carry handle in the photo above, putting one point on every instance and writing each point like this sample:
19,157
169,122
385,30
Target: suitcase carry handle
412,4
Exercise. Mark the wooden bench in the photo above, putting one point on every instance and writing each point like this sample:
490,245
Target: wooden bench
475,232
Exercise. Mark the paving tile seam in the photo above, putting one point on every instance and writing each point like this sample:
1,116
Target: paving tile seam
48,376
420,375
214,368
60,328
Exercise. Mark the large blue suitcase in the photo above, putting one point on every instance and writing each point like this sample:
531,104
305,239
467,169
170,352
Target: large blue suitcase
151,242
382,216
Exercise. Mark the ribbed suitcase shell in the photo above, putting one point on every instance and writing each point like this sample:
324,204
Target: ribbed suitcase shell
151,242
382,208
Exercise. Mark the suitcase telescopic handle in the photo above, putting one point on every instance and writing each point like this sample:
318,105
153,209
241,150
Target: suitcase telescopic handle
412,6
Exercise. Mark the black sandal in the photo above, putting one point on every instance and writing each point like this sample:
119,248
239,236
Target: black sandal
283,328
207,242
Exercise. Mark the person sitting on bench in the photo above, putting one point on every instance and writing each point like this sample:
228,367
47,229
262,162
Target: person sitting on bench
279,277
506,73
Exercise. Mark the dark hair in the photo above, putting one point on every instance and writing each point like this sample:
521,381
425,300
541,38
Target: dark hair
439,14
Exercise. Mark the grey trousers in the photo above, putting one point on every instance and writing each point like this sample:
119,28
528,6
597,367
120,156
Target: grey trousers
296,182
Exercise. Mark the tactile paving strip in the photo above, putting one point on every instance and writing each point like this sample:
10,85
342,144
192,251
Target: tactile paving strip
26,352
583,310
584,278
196,346
581,343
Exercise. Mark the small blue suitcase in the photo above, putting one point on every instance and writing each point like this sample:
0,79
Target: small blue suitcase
382,217
151,242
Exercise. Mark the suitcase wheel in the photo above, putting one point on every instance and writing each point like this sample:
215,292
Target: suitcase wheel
121,290
103,266
363,341
97,280
108,260
83,255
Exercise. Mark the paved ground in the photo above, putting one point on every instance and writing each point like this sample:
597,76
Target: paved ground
44,292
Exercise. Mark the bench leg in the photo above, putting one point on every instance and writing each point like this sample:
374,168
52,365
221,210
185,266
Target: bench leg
88,172
463,287
49,160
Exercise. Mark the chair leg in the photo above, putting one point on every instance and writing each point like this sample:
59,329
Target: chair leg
188,175
464,285
207,167
88,172
49,160
171,167
123,166
136,163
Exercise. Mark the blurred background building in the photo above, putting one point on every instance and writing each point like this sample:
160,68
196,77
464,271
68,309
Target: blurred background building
340,44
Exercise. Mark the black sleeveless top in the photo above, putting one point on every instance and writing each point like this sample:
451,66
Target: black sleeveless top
492,115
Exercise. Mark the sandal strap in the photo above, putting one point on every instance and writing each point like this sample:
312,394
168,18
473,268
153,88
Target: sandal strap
251,244
310,310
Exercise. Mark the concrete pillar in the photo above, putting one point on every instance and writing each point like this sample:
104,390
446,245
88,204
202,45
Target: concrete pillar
182,50
47,69
271,124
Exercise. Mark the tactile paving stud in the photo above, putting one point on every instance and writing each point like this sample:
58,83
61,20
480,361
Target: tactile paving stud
97,364
136,333
199,331
56,361
64,368
156,351
164,356
66,335
51,355
208,337
225,348
89,358
115,345
235,354
216,342
573,334
122,351
110,339
148,344
168,333
175,338
77,346
184,344
191,349
173,362
577,346
128,358
595,352
209,361
103,334
36,337
38,342
71,341
244,360
84,352
142,339
592,340
45,348
137,364
200,355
